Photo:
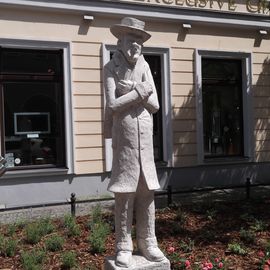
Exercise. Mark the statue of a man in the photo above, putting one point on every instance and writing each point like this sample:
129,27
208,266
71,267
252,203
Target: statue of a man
131,99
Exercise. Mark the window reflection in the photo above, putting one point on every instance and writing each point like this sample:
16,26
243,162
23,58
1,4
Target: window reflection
222,107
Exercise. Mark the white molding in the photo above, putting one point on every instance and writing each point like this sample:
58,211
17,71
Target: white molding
184,15
247,100
166,102
53,45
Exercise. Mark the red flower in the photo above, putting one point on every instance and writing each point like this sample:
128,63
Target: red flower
187,264
261,254
216,260
266,267
210,265
268,262
170,249
220,265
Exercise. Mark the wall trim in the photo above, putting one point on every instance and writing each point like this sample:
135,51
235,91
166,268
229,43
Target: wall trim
250,21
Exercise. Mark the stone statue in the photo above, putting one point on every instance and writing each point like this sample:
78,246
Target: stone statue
131,99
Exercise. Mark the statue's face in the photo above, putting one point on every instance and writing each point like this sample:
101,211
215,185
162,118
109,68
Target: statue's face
131,47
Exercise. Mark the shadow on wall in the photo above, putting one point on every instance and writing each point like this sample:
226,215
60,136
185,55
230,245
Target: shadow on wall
261,97
187,174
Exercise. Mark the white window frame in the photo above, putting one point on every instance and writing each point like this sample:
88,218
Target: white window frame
68,111
247,103
166,103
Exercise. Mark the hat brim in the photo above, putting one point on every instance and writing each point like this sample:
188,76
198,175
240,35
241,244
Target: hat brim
119,30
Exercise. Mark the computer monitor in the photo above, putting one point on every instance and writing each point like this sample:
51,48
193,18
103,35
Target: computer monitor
32,123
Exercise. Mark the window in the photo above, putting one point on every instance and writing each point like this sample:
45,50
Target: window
158,60
31,84
224,106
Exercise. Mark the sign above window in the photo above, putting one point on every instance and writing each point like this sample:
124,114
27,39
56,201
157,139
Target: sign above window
260,7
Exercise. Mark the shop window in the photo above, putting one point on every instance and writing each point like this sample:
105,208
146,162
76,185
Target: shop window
222,107
32,100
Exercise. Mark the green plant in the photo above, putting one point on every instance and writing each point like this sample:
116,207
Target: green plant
54,243
33,260
211,213
258,226
71,226
45,226
236,249
98,236
187,246
2,242
247,236
11,229
10,246
68,260
33,233
95,217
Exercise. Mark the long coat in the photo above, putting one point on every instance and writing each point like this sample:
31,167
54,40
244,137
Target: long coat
129,122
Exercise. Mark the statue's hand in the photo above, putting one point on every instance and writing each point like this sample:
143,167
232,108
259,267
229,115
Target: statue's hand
125,86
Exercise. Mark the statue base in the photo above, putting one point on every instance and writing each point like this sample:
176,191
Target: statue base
138,263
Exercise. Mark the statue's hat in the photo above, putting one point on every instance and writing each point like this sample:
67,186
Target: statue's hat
130,26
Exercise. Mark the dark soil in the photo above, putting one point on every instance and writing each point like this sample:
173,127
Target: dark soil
235,234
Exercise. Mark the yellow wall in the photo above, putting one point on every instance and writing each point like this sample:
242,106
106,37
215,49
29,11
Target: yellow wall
86,42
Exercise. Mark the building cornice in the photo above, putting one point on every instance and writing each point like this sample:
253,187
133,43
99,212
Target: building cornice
184,15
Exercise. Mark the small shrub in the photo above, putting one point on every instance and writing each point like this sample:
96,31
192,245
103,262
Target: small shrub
187,246
211,214
236,249
10,247
54,243
98,237
33,260
258,226
11,229
96,216
73,229
2,242
33,233
247,236
69,260
45,226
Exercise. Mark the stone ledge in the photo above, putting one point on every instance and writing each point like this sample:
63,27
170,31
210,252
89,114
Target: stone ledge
139,263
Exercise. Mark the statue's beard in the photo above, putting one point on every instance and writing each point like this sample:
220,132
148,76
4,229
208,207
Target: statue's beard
133,55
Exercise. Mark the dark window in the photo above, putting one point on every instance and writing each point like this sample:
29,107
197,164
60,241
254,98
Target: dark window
154,62
222,107
31,84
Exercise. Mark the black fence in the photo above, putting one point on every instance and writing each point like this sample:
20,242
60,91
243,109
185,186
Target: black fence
169,192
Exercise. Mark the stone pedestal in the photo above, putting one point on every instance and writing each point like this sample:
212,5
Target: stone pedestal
139,263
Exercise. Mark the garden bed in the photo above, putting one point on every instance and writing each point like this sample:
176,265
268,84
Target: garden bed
231,235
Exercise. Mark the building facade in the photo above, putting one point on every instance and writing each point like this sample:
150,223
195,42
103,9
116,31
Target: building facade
210,62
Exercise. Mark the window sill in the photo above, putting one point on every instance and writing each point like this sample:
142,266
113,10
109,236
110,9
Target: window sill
227,161
34,172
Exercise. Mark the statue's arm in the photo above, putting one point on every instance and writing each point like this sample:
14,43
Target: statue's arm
118,104
151,103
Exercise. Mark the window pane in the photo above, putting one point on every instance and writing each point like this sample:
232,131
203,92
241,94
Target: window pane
154,62
33,123
222,107
38,62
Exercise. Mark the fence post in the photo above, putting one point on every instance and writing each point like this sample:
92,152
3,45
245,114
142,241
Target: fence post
73,204
248,188
169,192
